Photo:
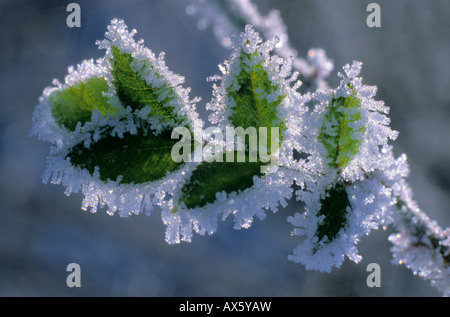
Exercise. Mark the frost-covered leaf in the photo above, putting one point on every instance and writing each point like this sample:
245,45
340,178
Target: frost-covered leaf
353,211
134,91
255,97
254,92
256,102
344,200
77,102
351,128
338,132
141,80
65,105
333,211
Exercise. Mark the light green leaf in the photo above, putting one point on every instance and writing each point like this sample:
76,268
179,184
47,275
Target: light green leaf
252,107
337,133
76,103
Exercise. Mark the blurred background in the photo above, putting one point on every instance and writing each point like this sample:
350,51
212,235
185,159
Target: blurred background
42,230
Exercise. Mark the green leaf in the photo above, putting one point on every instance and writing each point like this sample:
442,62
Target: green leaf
334,208
210,178
252,107
336,132
135,92
76,103
137,158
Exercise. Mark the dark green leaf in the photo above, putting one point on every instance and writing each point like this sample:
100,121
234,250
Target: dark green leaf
137,158
210,178
334,208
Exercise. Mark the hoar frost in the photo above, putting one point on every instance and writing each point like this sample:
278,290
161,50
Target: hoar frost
348,178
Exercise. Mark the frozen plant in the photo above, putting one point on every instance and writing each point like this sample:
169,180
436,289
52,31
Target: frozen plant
113,124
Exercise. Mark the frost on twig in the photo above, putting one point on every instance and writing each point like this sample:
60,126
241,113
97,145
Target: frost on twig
420,243
228,18
110,127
